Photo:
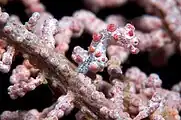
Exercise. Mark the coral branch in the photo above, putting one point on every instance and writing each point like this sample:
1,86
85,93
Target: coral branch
64,106
7,53
43,44
95,5
23,80
59,69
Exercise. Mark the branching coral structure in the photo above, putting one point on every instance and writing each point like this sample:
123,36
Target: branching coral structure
43,41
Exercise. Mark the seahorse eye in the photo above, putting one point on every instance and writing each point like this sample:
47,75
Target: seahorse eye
135,41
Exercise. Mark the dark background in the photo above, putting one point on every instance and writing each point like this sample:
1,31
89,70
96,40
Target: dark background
42,96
